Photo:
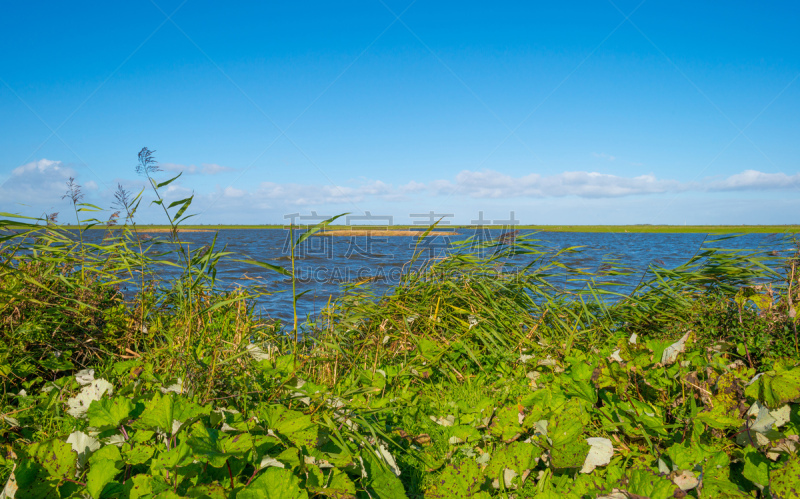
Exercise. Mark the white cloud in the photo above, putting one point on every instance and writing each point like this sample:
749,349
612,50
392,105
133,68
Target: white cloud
40,185
37,182
756,180
492,184
42,166
488,185
204,169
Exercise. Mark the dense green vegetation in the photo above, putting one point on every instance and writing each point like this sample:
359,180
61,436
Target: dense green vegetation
471,378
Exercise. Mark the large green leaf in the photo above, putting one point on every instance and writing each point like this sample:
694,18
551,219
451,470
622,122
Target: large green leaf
208,491
339,486
717,483
147,486
107,452
785,481
505,424
100,474
567,424
569,448
688,454
274,483
109,412
569,455
205,447
137,454
776,388
646,483
518,456
756,467
719,417
157,413
34,482
381,483
295,426
56,457
184,409
237,444
463,480
181,455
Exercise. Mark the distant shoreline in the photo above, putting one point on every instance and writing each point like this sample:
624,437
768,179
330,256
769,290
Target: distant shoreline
390,232
411,230
452,229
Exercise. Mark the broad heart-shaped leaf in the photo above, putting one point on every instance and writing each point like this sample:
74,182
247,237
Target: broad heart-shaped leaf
381,482
274,483
785,481
56,457
141,436
589,485
518,456
582,389
208,491
33,481
339,486
505,424
176,457
756,467
716,483
646,483
138,454
184,409
566,425
457,481
237,444
205,447
565,429
100,474
688,454
147,486
294,425
463,433
570,454
157,414
776,388
109,412
314,478
719,417
107,452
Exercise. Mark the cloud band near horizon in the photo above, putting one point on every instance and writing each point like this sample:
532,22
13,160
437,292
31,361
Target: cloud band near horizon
42,179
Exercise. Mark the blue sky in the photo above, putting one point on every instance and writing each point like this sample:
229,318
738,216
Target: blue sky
564,112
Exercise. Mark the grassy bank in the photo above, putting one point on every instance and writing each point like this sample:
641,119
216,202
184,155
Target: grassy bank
469,379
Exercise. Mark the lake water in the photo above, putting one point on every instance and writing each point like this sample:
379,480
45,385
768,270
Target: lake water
325,263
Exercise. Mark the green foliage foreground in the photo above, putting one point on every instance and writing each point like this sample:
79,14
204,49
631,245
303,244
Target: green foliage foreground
469,379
